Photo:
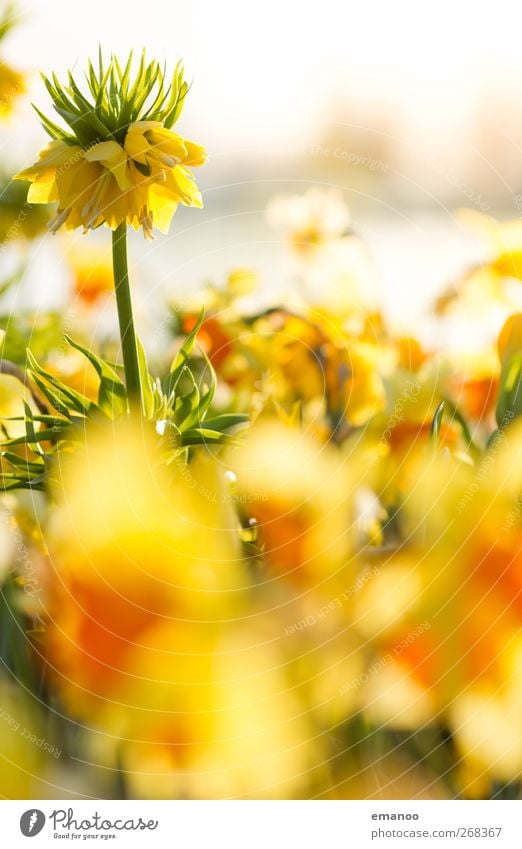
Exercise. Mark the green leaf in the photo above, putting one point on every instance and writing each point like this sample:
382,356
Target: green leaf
186,407
204,436
75,399
45,435
436,422
22,464
53,129
465,428
146,382
227,420
509,402
112,397
55,399
30,434
208,396
181,359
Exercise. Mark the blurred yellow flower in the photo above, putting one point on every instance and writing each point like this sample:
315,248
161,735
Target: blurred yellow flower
12,86
299,491
444,610
13,394
92,276
130,543
311,220
289,358
12,82
504,239
211,713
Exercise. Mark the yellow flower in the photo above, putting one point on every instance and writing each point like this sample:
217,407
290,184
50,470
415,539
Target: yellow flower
444,612
13,395
12,85
75,371
299,491
12,82
212,713
122,163
92,276
140,182
312,220
504,238
291,358
131,544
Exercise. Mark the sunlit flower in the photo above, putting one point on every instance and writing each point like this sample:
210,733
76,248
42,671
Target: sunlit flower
92,276
12,82
299,494
444,610
473,384
333,266
211,713
312,220
122,162
288,358
504,240
12,85
129,544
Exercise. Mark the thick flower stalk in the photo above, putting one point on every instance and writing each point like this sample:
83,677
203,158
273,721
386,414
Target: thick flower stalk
118,163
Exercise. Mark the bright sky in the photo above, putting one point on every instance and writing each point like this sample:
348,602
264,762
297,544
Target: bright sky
266,73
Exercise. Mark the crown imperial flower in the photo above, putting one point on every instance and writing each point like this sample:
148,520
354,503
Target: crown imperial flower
120,161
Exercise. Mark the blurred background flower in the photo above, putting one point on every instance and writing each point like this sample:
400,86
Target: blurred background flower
325,604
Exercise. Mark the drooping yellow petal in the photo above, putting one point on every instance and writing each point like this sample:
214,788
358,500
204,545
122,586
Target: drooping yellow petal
56,154
180,183
196,154
43,190
136,145
169,144
162,207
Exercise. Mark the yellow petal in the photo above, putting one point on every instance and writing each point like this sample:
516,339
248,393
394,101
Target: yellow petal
137,146
43,190
55,155
169,144
162,207
106,152
181,185
196,154
510,338
113,157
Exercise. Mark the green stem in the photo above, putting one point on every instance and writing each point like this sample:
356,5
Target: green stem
123,300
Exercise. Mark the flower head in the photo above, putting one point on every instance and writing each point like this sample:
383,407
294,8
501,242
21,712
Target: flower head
120,161
312,220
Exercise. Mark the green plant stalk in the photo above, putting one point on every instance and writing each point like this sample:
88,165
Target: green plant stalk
125,318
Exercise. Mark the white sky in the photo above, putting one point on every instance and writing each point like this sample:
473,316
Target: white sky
268,73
